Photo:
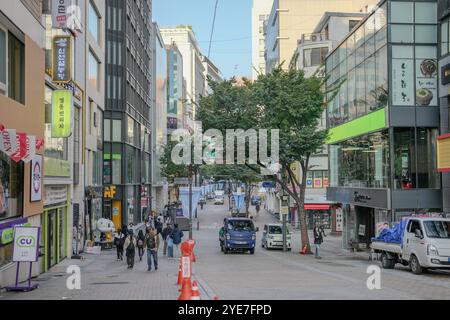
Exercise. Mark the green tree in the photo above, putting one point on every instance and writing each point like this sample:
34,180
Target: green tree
284,100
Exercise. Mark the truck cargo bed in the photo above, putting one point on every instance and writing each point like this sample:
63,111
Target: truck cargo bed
386,246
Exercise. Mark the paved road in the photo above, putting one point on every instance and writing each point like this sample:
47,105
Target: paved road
264,275
277,275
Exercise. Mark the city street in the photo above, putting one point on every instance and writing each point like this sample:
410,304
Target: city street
265,275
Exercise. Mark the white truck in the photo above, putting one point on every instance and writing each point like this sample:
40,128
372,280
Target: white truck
425,245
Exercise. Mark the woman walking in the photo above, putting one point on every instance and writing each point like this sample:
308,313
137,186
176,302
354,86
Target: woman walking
118,241
140,244
130,247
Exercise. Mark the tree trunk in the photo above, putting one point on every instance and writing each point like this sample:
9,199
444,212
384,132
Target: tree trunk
301,209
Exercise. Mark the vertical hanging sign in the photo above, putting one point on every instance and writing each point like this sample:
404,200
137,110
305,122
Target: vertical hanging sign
61,59
61,113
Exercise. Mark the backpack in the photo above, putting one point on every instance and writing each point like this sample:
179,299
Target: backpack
140,243
176,236
130,247
151,242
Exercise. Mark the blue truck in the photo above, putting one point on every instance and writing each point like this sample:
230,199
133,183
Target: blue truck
238,234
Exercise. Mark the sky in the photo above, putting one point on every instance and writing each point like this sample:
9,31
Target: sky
231,49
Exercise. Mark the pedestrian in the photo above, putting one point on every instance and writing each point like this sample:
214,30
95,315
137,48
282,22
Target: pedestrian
130,247
152,244
319,234
177,236
140,244
165,235
119,240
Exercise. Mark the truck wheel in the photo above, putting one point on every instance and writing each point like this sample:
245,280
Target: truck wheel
387,263
252,251
415,265
225,250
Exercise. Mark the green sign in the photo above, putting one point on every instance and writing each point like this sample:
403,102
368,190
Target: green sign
61,113
8,235
56,168
369,123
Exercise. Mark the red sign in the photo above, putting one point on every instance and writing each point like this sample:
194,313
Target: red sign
18,146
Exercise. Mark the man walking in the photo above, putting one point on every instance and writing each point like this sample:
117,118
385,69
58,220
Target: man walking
319,234
177,236
152,243
165,235
130,247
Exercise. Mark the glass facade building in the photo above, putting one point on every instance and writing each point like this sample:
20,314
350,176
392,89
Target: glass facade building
383,117
127,119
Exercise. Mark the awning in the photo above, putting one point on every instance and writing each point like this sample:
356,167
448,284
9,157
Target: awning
317,206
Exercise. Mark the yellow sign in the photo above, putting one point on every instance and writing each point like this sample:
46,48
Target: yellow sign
61,114
284,210
109,192
443,151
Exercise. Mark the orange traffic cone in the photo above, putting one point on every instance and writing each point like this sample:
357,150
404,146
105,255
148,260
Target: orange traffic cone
186,290
303,251
195,291
180,276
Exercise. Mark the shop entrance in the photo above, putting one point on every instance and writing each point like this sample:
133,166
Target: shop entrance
55,236
365,225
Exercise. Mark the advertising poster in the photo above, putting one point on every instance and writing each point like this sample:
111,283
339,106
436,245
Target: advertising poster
426,82
36,179
402,82
26,244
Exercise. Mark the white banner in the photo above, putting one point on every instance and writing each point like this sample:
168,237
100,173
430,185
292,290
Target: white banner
8,142
66,15
26,244
31,149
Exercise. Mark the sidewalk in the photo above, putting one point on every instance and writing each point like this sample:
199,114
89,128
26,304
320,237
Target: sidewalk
104,278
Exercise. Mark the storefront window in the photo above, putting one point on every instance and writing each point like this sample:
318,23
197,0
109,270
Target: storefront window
415,158
404,158
11,188
361,162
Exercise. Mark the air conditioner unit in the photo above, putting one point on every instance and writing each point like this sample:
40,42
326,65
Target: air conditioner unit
313,37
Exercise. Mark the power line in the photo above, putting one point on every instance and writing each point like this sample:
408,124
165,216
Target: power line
212,29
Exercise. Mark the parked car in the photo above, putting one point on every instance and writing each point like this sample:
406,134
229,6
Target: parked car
235,213
238,234
255,200
422,243
272,237
210,196
218,200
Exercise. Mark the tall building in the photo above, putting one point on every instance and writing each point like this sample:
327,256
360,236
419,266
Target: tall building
211,71
444,95
385,119
260,13
22,64
289,19
74,164
127,124
159,119
193,69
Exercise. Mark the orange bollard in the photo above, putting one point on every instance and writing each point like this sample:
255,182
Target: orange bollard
195,291
186,290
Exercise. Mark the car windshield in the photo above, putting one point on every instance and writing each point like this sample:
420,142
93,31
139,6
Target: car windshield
275,230
437,229
235,225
